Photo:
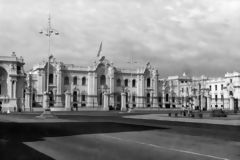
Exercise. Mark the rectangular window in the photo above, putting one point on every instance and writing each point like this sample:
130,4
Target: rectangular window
173,99
126,82
230,80
133,99
222,97
221,86
216,97
215,87
148,82
159,99
210,87
133,83
83,97
51,78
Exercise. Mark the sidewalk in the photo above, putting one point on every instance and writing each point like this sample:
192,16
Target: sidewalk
164,117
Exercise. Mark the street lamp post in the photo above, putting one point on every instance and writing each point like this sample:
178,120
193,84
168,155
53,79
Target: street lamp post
49,31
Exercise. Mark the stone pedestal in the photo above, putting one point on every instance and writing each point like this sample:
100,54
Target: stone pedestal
28,105
47,114
231,103
67,101
155,102
105,102
58,101
45,100
163,101
123,102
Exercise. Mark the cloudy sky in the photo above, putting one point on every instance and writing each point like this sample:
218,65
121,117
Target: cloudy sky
193,36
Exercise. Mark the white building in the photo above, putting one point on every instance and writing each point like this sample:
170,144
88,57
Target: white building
88,85
105,86
12,82
203,92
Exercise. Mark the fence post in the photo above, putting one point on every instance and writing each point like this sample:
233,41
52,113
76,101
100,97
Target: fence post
123,103
105,102
67,101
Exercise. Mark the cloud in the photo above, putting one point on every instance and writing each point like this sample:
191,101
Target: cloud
200,37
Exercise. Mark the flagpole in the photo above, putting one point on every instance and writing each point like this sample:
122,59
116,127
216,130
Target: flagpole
99,50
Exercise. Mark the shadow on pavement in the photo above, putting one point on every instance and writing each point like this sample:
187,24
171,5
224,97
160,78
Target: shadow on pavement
13,134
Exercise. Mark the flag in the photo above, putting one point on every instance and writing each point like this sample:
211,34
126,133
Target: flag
100,50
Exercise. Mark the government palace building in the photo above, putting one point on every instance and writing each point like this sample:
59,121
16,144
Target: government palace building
104,86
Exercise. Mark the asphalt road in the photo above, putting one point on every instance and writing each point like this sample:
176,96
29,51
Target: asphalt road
108,136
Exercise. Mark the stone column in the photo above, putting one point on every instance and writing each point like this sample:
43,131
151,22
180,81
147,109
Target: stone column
14,88
105,101
112,80
155,88
123,103
95,90
202,102
90,89
195,102
67,101
45,100
59,89
208,102
163,100
138,92
231,102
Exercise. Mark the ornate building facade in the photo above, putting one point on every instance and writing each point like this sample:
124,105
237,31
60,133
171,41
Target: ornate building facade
12,82
102,85
93,86
201,92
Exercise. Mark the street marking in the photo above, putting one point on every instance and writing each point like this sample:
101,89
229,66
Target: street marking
161,147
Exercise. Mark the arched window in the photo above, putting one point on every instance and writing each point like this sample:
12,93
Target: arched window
148,82
133,83
126,82
50,78
102,80
118,82
84,81
66,81
74,80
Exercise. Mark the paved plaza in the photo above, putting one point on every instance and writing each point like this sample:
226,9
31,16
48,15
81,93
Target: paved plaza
115,135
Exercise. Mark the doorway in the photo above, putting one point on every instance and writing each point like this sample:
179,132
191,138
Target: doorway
51,100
